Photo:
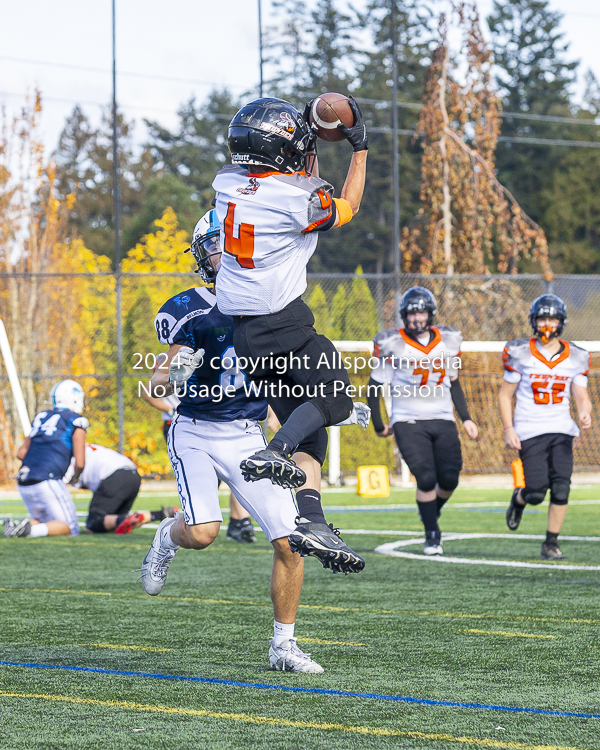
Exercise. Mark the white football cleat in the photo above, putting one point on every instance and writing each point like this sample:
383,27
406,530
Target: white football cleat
156,563
433,543
14,529
287,657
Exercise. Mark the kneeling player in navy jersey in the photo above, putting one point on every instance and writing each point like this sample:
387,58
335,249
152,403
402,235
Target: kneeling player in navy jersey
57,435
215,427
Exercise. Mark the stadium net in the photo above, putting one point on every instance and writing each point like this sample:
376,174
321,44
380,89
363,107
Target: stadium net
66,326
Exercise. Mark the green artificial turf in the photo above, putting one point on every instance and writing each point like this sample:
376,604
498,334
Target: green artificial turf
439,631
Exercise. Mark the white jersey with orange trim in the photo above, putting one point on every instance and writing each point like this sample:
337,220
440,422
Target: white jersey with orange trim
268,234
100,463
419,373
544,388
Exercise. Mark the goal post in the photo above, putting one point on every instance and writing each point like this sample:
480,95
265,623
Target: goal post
13,379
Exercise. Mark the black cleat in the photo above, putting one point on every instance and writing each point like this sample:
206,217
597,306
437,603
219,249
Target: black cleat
241,530
324,542
273,465
551,551
514,512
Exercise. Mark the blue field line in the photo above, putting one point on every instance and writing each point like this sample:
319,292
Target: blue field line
312,691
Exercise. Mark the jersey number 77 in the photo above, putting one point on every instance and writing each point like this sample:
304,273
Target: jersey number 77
243,247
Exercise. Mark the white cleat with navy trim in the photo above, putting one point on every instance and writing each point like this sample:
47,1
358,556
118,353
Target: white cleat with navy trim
287,657
156,563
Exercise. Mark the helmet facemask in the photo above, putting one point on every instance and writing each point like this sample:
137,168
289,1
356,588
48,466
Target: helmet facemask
204,249
546,332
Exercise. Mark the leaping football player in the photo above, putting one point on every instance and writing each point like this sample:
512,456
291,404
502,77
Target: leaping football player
542,372
271,210
417,361
207,440
57,435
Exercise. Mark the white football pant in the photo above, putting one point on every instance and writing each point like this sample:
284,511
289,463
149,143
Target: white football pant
202,453
50,501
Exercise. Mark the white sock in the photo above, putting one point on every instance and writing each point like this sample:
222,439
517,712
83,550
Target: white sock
165,539
39,529
282,631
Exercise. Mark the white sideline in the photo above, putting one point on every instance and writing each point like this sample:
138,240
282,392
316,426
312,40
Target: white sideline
391,550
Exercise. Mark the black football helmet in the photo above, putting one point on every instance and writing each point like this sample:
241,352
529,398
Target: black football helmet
418,299
548,306
270,133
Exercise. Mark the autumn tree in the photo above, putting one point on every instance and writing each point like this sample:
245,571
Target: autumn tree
468,221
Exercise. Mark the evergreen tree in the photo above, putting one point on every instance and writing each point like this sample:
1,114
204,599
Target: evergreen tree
84,167
535,76
361,321
338,314
320,309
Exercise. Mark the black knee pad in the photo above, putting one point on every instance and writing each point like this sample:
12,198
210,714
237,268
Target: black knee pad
448,480
95,524
335,409
315,445
559,491
533,497
425,476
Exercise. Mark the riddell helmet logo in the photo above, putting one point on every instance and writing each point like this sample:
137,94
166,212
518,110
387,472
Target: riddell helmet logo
286,122
251,188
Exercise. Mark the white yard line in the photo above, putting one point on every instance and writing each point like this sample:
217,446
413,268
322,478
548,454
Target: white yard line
391,549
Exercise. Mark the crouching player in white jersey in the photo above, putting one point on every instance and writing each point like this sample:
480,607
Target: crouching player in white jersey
216,425
541,372
271,210
57,435
421,362
115,483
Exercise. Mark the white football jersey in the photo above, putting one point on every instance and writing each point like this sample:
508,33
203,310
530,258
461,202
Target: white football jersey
268,234
544,386
419,374
100,463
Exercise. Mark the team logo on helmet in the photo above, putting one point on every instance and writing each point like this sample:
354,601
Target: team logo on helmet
251,188
286,122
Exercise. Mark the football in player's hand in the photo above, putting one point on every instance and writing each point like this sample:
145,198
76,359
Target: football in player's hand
327,112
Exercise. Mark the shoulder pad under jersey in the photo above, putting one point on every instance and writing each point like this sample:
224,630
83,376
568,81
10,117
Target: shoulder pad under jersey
581,357
181,308
388,343
82,422
515,353
452,339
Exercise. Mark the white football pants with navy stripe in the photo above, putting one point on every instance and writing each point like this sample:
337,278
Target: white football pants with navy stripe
202,453
50,501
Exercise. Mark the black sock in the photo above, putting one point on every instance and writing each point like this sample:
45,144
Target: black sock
440,502
121,518
301,423
551,537
237,523
428,513
157,515
309,505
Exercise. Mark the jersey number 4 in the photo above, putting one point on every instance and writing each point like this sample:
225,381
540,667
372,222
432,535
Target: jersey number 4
541,396
241,247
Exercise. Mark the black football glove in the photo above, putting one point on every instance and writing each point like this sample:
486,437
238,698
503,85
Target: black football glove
357,134
311,146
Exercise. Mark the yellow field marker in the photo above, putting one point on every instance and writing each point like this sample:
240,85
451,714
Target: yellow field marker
330,643
365,610
508,635
130,648
249,719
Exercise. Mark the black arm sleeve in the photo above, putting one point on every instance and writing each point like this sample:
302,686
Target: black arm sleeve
459,400
373,391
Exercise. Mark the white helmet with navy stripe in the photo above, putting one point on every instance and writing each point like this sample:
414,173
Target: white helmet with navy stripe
205,243
68,395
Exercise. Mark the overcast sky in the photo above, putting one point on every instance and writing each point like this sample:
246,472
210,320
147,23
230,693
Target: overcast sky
64,48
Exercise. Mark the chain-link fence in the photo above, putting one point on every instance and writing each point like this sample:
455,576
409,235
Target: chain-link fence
67,325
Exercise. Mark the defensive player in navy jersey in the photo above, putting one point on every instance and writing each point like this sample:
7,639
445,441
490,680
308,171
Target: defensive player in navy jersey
57,435
215,427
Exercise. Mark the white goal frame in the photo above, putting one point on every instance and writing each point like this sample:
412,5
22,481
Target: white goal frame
13,379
